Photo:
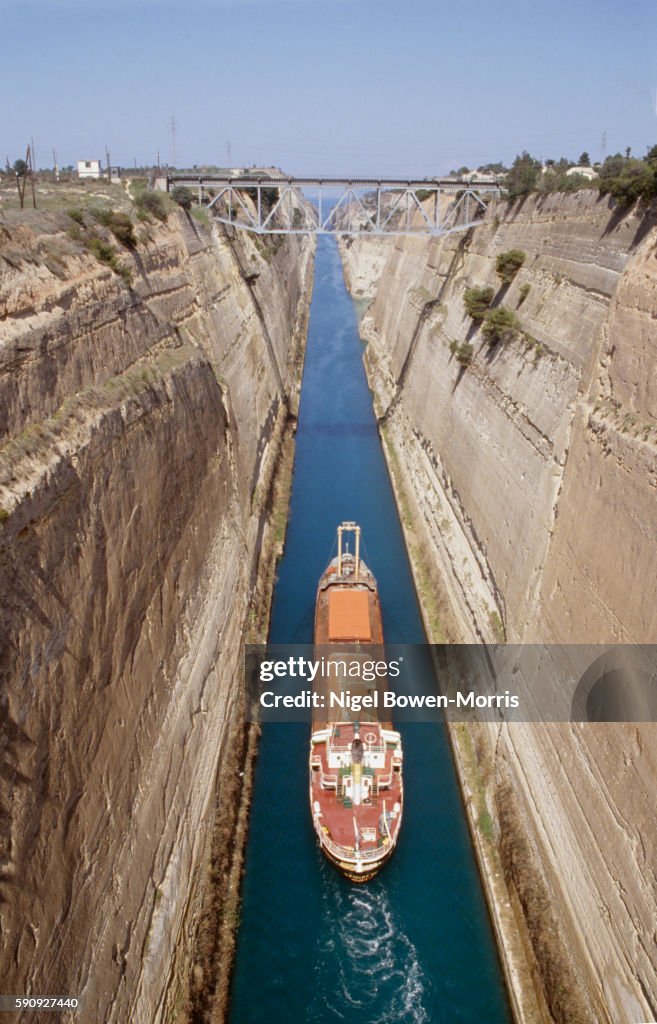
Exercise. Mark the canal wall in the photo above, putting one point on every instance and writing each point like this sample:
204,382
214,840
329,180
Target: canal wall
526,480
144,408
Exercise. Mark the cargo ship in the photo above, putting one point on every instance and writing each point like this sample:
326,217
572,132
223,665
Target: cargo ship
355,764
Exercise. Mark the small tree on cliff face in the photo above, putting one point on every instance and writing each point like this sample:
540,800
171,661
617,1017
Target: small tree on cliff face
524,175
509,263
501,325
477,301
464,354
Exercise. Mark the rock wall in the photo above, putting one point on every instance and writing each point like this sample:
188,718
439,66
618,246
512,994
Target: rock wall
141,427
529,481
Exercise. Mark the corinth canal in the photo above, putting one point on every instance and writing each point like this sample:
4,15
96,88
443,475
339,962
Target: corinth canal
415,944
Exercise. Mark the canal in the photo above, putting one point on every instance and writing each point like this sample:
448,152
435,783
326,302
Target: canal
415,944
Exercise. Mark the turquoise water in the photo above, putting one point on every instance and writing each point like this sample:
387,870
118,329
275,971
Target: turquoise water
415,944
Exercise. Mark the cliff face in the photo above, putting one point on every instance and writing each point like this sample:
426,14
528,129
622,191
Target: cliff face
141,426
530,478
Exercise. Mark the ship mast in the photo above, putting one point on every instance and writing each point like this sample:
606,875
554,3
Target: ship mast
349,527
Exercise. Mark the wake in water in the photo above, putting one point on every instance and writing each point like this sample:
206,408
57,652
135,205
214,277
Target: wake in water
367,969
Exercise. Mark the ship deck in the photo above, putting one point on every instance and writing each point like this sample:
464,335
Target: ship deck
336,815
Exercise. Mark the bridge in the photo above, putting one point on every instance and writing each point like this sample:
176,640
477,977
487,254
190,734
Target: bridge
268,204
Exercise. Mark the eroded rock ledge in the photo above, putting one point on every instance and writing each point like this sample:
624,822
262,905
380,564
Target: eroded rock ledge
140,427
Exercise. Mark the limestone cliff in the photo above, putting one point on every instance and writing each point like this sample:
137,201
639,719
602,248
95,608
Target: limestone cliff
141,418
529,480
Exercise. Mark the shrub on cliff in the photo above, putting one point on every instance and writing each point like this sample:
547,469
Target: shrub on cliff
509,263
120,224
500,325
182,196
122,228
477,301
151,203
106,253
464,353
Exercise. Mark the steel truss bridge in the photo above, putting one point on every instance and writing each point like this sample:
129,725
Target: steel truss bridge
348,206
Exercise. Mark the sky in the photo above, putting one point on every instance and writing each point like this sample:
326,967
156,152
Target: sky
412,88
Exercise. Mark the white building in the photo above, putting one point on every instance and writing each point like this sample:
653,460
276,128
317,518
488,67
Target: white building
586,172
89,169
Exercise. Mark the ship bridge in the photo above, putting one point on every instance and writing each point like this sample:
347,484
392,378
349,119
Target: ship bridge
271,204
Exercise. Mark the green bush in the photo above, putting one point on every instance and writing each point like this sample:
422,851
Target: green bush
123,230
102,215
464,353
103,251
523,292
500,325
509,263
106,253
151,203
182,196
76,215
477,301
120,224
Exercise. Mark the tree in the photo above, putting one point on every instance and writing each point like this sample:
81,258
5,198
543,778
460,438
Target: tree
509,263
477,301
500,325
651,157
627,179
524,175
496,168
20,168
584,160
464,353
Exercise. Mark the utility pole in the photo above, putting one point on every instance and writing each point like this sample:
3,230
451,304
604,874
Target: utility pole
172,129
22,179
108,162
54,164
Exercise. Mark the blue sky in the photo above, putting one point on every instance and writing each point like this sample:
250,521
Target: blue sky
327,86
